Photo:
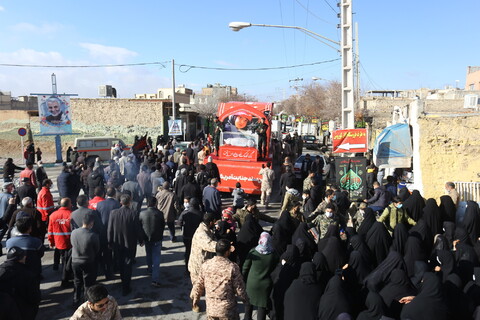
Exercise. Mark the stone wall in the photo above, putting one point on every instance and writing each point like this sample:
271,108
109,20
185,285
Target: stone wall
449,151
381,108
122,117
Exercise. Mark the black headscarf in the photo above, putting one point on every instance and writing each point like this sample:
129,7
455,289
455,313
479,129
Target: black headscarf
400,235
368,220
335,300
248,237
282,232
464,250
414,205
378,241
420,267
432,216
310,247
375,307
448,209
332,231
414,251
282,277
449,232
335,254
359,268
460,305
429,304
472,288
379,277
399,286
425,234
302,298
471,221
321,267
446,261
358,244
404,194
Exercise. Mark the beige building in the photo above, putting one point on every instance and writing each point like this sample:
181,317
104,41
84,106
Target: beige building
472,82
182,94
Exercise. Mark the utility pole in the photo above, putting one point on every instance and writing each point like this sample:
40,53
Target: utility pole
357,67
348,115
174,112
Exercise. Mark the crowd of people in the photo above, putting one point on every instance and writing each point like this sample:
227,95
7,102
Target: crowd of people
394,255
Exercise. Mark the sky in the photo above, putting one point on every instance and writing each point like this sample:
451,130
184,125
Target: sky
402,45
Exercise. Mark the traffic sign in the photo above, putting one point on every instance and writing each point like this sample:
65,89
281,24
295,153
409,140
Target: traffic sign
22,132
350,141
174,127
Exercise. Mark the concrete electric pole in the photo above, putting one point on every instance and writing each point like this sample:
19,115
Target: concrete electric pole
348,115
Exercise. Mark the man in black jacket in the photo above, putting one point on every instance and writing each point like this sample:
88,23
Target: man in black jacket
40,174
104,208
153,224
123,233
287,178
26,190
85,247
189,221
77,215
19,283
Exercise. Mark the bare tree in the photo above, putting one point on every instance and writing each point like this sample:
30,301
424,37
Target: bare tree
323,101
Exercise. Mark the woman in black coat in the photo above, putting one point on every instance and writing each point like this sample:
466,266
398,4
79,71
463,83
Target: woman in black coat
335,300
378,241
430,303
303,297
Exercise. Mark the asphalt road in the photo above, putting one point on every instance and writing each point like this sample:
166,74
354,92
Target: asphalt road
171,301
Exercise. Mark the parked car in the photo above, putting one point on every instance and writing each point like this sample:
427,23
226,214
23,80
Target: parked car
311,142
297,167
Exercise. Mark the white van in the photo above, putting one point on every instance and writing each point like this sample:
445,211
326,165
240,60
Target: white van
99,146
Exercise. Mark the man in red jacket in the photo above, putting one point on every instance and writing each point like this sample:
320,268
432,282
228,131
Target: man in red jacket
99,193
59,231
29,173
45,200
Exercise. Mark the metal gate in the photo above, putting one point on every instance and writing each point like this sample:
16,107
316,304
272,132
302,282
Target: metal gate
468,191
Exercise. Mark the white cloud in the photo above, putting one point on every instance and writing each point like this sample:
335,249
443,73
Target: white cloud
45,28
108,53
81,81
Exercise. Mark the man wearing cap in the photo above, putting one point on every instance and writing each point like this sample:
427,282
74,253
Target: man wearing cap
18,281
5,196
29,173
26,190
33,247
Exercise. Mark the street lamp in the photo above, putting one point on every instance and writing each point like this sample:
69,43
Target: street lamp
237,26
345,49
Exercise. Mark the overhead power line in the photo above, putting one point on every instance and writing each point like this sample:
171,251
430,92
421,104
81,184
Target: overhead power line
84,66
185,67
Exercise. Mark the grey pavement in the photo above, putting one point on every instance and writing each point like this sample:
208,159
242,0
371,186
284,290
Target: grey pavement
170,301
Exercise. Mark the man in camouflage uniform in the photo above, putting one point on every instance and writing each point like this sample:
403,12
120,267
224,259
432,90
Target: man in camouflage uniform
251,208
267,183
329,217
220,280
203,243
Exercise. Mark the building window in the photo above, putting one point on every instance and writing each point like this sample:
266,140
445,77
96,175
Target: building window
471,87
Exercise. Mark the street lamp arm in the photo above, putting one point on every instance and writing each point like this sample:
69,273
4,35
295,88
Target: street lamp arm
309,32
